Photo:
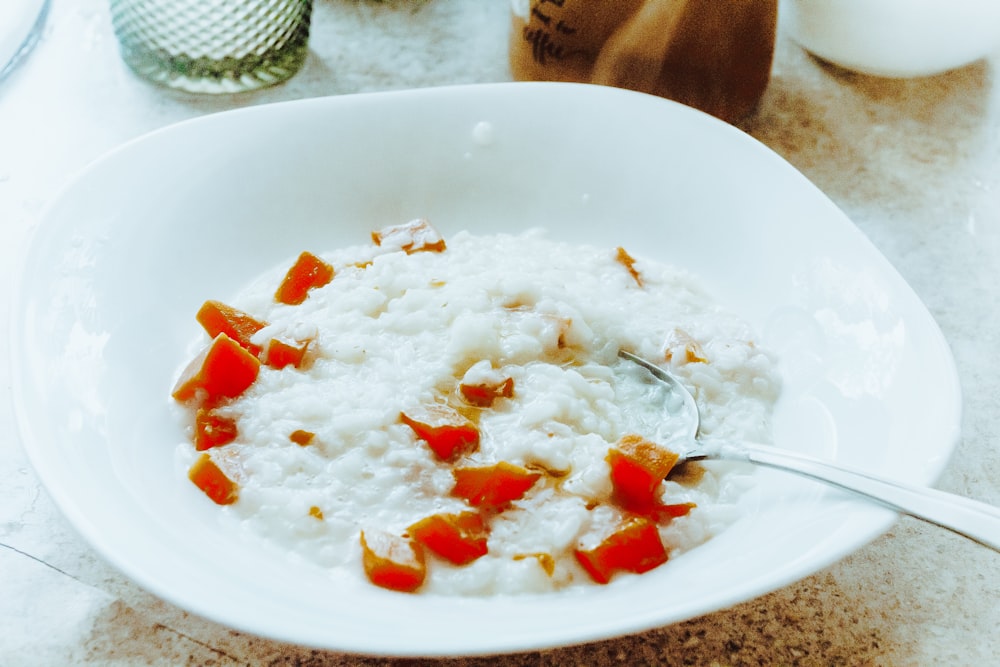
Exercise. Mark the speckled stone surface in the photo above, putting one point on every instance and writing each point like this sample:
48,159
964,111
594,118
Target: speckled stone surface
915,163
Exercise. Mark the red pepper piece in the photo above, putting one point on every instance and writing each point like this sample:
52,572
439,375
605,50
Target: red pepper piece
223,370
634,546
308,272
458,538
392,562
210,478
212,430
638,467
281,354
493,486
444,429
410,237
483,395
216,317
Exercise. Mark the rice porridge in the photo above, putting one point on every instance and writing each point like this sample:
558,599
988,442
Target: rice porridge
451,416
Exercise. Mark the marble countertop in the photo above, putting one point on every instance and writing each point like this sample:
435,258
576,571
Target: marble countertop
915,163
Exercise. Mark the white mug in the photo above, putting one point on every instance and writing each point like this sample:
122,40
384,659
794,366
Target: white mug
895,38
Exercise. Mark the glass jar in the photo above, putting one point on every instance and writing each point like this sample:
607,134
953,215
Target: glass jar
213,46
714,55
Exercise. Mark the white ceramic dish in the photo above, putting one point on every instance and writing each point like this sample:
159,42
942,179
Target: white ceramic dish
128,252
895,38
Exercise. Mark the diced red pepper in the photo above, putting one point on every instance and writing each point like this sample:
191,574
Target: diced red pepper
493,486
210,478
216,317
392,562
459,538
308,272
410,237
638,467
212,430
444,429
223,370
483,395
634,546
302,438
281,353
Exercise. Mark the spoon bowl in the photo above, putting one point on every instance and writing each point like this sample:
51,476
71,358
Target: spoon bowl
969,518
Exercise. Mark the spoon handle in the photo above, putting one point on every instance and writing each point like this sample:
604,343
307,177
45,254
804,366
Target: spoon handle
969,518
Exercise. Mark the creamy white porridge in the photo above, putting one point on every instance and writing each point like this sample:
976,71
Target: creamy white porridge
538,324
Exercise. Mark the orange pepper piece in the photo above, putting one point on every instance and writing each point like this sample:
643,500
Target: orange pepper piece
216,317
302,438
308,272
281,354
458,538
212,430
208,477
626,260
493,486
223,370
681,346
634,546
638,467
391,561
483,395
547,562
410,237
444,429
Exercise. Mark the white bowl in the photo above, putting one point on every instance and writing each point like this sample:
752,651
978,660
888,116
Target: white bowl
126,255
895,38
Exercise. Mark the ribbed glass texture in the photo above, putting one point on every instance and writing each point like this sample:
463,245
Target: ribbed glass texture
213,46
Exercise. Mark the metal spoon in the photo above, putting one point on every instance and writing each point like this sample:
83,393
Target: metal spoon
969,518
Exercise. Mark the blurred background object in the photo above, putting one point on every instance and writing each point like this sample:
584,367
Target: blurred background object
21,23
213,46
714,56
895,38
